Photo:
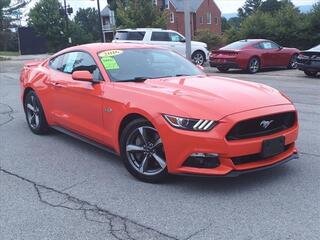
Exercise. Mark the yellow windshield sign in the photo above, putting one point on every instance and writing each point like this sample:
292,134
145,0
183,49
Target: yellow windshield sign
110,53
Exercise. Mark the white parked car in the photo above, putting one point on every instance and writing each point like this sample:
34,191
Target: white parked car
166,38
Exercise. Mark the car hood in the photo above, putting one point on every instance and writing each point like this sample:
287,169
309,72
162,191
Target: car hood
198,43
208,97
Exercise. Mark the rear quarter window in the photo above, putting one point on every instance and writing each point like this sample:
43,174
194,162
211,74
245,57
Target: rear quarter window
127,35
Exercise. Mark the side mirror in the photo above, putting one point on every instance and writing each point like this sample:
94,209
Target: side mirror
183,40
82,76
280,48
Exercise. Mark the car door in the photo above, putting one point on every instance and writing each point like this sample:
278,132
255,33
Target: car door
273,53
178,43
78,104
165,39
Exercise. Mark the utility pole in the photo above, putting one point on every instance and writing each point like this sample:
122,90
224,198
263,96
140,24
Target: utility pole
187,28
66,15
100,22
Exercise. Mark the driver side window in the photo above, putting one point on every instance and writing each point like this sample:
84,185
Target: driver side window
81,61
174,37
269,45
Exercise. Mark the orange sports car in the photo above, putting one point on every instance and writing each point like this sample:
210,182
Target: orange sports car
159,112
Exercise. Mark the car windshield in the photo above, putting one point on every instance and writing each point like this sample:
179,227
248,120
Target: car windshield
316,48
144,63
237,45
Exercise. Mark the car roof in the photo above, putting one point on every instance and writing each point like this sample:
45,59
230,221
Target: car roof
98,47
253,40
143,29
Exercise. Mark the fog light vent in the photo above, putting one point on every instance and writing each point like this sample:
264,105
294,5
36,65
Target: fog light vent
202,160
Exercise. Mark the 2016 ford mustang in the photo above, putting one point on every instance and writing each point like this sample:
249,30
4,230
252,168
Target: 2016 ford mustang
159,112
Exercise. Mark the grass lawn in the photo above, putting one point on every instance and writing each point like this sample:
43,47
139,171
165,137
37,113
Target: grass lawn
9,53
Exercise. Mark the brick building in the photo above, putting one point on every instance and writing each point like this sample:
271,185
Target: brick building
205,14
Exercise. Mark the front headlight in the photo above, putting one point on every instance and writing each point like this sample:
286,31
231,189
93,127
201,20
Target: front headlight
190,123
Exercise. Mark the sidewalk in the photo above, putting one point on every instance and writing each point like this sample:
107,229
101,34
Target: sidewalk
24,57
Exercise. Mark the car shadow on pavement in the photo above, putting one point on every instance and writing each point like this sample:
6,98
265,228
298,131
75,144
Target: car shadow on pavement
242,182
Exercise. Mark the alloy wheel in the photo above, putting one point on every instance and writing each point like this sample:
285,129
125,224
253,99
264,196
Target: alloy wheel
294,63
254,65
198,59
33,112
144,150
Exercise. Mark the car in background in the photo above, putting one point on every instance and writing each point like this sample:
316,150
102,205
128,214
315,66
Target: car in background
253,55
309,61
164,38
159,112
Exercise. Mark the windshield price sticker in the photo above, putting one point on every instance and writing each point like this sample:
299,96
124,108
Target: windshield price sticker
109,63
110,53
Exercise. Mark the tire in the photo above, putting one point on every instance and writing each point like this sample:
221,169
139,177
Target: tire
198,58
310,74
223,69
142,152
293,62
34,114
254,65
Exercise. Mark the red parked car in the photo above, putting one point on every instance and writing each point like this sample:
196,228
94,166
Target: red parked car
253,55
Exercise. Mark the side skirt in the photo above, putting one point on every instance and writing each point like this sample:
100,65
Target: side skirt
84,139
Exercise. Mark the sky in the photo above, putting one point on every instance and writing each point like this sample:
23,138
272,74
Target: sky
226,6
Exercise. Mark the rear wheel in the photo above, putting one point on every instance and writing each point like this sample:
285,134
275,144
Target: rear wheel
293,64
198,58
142,151
34,114
254,65
310,73
223,69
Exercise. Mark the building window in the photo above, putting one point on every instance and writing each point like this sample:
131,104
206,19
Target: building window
171,17
201,20
166,4
216,21
209,18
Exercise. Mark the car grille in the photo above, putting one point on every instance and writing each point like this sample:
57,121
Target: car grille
262,126
253,157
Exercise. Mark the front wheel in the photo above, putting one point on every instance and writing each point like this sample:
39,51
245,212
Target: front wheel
34,114
198,58
310,73
142,151
254,65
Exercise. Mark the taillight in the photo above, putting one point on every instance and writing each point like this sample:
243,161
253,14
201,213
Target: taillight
302,56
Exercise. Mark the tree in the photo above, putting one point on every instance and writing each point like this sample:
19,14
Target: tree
214,41
273,6
3,4
234,22
113,3
45,18
224,24
312,26
140,13
88,20
250,7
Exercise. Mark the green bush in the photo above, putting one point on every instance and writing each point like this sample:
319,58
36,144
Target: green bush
214,41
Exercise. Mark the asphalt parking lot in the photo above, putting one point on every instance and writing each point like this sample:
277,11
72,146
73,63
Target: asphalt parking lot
54,187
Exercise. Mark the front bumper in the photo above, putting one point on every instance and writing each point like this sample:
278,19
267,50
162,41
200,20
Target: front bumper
180,144
237,173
